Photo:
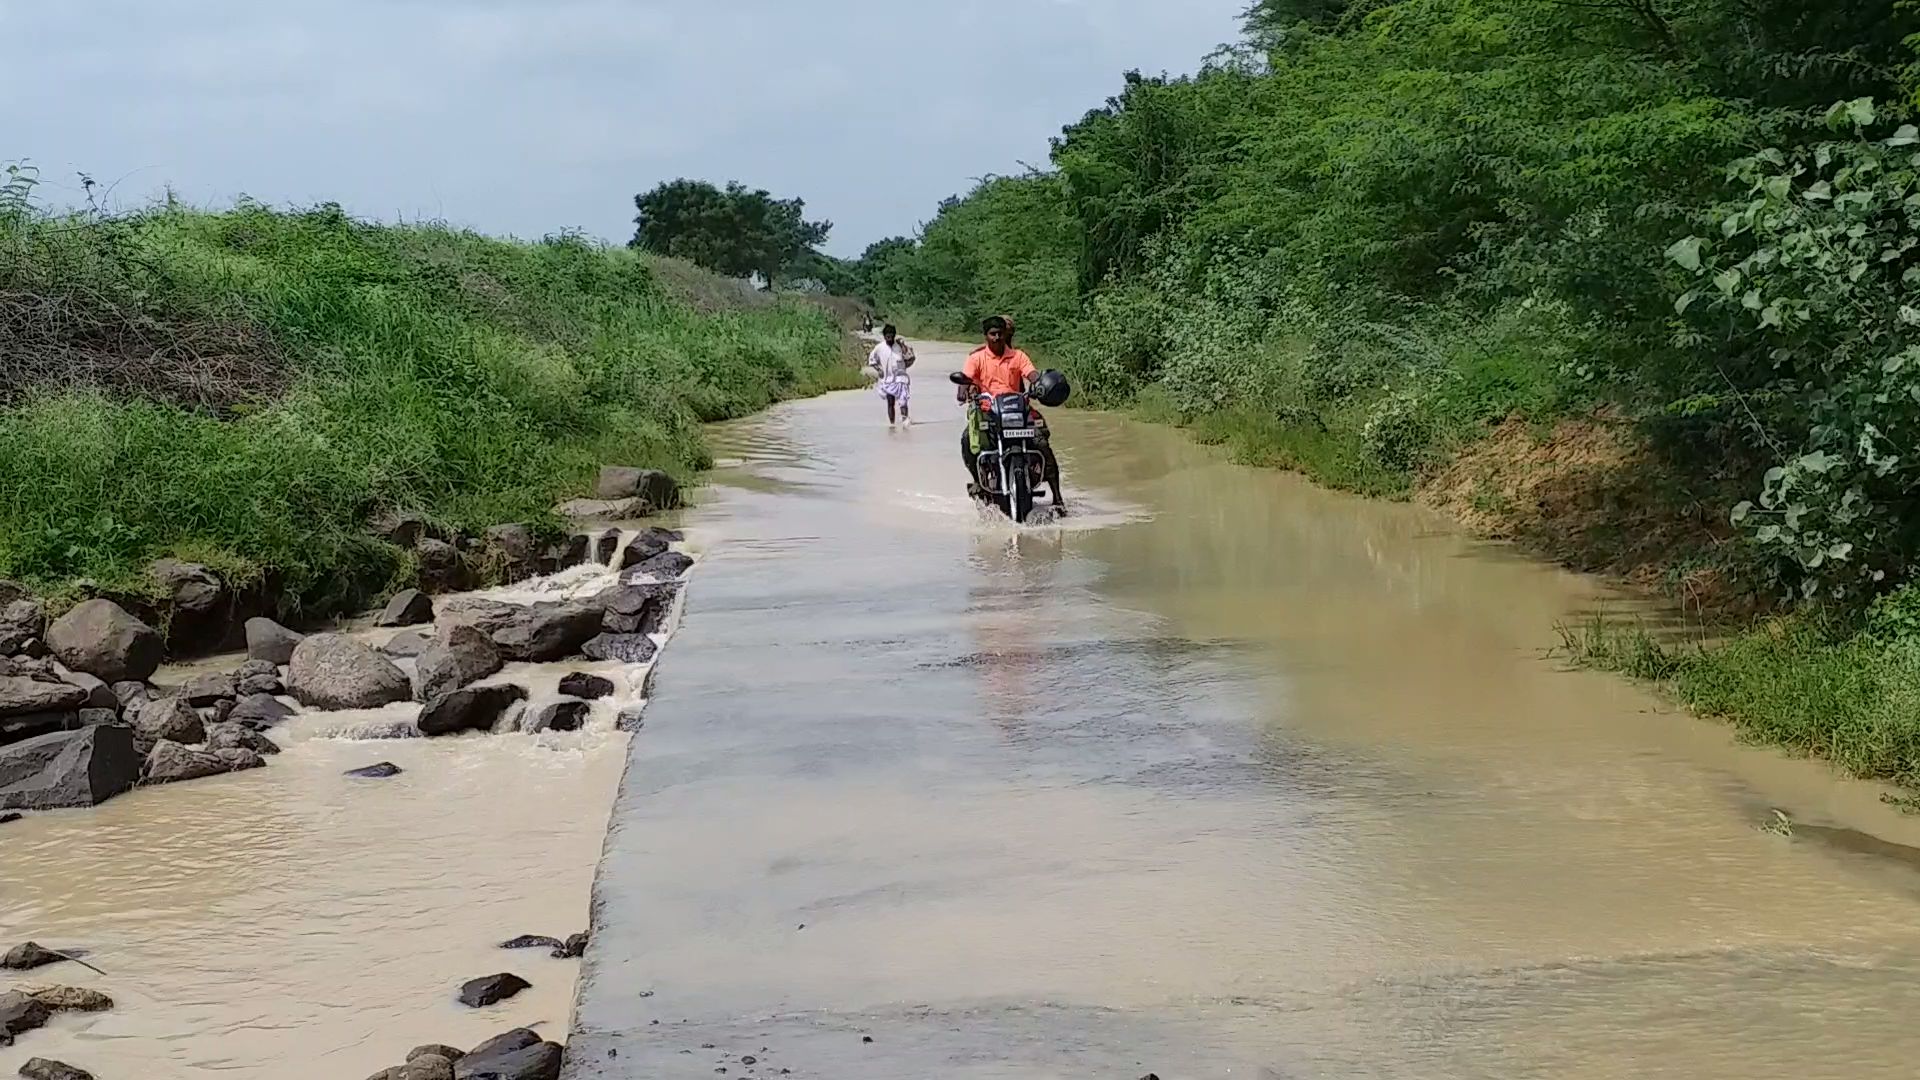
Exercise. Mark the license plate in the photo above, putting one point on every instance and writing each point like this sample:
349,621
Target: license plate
1019,433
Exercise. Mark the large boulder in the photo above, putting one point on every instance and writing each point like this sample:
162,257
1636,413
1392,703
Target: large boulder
657,488
61,999
514,549
21,621
99,694
517,1055
270,642
662,567
68,769
442,567
603,510
474,709
408,643
209,689
491,989
48,1069
100,638
199,606
237,736
605,546
544,633
259,711
30,956
19,1014
579,684
20,695
641,548
460,654
171,719
564,715
638,609
330,671
409,607
623,648
171,763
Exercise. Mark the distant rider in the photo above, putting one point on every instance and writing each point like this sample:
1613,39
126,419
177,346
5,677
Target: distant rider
999,368
890,360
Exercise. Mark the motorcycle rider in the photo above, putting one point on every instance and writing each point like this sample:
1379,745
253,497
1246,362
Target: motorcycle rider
999,368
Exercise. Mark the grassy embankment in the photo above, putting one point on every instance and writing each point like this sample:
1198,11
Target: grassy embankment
247,388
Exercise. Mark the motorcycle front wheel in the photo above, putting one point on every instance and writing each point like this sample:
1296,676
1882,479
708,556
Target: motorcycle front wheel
1020,504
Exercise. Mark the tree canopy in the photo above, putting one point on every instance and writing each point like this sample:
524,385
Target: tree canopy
736,230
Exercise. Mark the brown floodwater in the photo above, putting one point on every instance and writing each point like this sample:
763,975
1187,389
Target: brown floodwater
1223,775
291,922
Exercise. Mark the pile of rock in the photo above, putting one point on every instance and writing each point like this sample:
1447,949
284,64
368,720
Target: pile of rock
22,1011
79,723
518,1055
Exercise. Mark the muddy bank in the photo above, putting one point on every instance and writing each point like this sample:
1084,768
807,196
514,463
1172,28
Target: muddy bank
320,915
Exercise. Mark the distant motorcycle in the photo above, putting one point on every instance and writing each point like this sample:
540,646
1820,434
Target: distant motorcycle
1011,463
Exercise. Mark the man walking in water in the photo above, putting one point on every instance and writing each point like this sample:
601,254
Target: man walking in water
891,359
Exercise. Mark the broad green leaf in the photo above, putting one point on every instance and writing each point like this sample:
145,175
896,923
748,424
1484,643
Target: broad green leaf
1741,512
1728,281
1906,136
1686,253
1820,191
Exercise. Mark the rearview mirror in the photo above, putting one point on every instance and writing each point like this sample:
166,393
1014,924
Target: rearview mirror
959,379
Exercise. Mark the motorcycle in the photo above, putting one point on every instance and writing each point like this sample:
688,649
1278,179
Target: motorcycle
1010,463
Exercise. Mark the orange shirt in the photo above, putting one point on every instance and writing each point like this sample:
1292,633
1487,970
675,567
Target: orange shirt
1004,374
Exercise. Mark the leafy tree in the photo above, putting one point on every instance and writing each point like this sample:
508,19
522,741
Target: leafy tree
736,230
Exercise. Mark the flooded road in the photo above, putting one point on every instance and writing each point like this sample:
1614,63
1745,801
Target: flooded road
1224,776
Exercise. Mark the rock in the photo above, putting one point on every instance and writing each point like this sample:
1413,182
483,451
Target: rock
436,1050
559,716
171,763
408,643
571,552
205,690
460,655
666,566
259,711
514,548
383,771
488,615
69,769
331,671
638,609
20,695
199,610
22,620
168,720
533,941
221,710
442,568
409,607
402,528
545,633
130,694
474,709
603,509
10,818
625,648
18,729
231,736
491,989
641,548
579,684
99,694
48,1069
576,945
61,999
29,955
29,667
671,536
270,642
259,684
19,1014
35,648
657,488
96,717
517,1055
13,590
606,546
254,668
630,719
426,1067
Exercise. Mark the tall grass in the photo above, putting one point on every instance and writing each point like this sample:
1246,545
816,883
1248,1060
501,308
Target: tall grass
431,370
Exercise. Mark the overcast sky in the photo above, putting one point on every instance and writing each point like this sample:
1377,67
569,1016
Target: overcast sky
528,116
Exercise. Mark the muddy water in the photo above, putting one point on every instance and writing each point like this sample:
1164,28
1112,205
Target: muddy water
1222,776
291,922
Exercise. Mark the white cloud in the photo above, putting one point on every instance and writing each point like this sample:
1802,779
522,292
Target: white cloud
525,116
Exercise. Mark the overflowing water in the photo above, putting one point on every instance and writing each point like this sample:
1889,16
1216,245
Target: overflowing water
1219,776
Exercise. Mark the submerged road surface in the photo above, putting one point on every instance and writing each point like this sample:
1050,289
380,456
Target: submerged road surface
1225,776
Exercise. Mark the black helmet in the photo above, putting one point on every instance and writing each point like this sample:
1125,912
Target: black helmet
1051,389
